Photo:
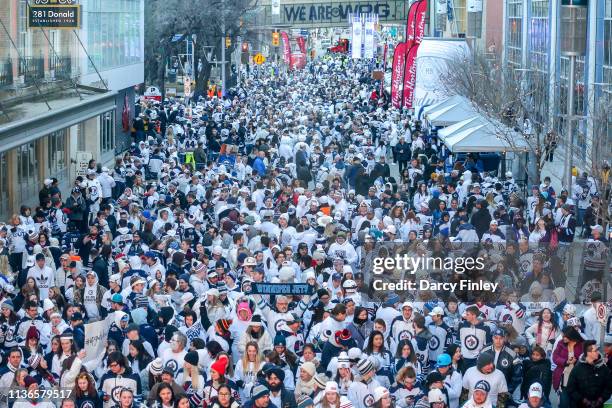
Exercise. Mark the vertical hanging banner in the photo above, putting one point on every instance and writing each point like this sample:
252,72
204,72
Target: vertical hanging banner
276,6
409,77
418,32
357,38
301,42
410,23
384,69
397,73
286,48
369,46
419,21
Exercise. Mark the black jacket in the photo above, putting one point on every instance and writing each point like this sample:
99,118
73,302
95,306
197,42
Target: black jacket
481,220
589,383
403,151
77,207
536,371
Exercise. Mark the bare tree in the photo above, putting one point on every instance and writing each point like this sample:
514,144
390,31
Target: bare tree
511,100
208,21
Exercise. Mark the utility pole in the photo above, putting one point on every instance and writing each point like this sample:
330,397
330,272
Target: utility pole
569,130
223,48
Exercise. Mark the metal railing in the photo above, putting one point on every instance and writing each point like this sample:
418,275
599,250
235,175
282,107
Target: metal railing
32,69
6,74
62,67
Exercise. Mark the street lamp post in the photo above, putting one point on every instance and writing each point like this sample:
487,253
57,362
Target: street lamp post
223,49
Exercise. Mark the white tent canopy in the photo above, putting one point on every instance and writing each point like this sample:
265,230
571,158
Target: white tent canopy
485,137
452,114
450,130
442,104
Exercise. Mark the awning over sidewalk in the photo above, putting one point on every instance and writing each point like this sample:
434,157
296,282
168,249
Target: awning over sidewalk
479,135
451,114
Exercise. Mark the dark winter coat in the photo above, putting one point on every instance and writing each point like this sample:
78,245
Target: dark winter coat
589,383
481,220
536,371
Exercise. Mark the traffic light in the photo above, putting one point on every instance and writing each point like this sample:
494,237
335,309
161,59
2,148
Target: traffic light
228,42
245,47
275,39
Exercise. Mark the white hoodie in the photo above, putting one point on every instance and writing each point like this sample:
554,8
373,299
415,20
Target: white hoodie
89,299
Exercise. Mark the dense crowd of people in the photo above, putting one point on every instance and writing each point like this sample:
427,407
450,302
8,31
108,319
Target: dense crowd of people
301,178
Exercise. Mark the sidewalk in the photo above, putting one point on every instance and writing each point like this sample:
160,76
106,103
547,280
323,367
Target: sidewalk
554,169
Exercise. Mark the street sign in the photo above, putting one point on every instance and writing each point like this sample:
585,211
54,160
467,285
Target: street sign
602,313
152,94
54,16
259,59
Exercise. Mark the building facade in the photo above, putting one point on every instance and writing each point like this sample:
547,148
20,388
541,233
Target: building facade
63,92
532,32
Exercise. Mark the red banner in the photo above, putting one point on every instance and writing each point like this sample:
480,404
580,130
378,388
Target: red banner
410,23
125,115
286,48
415,27
419,19
301,44
409,77
397,73
384,69
298,60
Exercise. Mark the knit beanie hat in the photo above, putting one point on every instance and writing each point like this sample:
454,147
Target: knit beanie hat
304,401
29,380
220,365
279,340
309,367
321,380
192,358
8,304
223,325
364,366
259,391
155,367
331,386
32,333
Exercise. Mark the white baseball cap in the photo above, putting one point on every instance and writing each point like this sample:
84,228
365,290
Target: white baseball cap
437,311
535,390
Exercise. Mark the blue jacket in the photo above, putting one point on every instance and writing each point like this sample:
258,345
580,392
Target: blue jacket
259,165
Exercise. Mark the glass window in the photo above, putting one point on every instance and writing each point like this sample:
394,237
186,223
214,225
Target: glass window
107,132
514,34
27,172
538,57
57,152
459,13
114,35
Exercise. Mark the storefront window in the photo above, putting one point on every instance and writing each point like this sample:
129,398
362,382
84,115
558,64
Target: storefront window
57,152
27,172
107,132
